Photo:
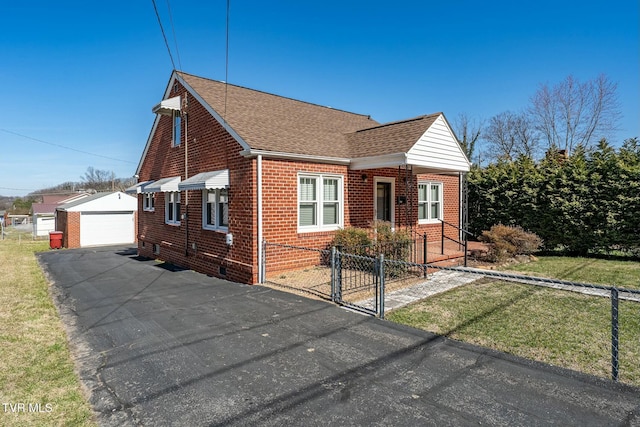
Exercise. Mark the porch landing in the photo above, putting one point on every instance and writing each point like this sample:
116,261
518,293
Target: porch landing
453,252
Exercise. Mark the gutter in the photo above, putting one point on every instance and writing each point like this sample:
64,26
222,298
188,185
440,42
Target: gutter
251,153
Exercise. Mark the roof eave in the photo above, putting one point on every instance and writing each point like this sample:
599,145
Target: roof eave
376,162
251,153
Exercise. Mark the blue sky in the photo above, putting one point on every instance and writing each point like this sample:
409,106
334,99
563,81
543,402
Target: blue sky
85,74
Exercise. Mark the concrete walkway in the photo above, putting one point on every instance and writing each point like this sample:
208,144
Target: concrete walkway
445,280
436,283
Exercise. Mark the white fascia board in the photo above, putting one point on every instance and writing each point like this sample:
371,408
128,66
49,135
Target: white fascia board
375,162
213,113
292,156
439,165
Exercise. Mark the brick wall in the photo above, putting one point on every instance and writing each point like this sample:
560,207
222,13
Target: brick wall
69,224
211,148
280,206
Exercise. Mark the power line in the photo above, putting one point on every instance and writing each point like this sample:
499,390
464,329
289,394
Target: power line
175,39
17,189
65,147
166,43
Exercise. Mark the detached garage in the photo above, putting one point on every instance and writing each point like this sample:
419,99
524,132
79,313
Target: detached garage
100,219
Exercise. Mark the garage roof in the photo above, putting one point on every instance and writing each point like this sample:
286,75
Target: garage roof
103,202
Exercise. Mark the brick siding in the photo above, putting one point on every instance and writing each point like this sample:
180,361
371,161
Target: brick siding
69,224
211,148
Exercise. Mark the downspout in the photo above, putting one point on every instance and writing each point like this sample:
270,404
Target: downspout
261,273
460,224
185,106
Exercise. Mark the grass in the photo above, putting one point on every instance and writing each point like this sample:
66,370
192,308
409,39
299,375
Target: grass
623,274
557,327
36,362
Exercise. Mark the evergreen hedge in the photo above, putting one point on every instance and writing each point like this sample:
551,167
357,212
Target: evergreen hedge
586,202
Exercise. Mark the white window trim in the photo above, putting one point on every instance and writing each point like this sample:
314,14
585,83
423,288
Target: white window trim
146,198
217,226
176,212
319,177
428,202
392,181
175,136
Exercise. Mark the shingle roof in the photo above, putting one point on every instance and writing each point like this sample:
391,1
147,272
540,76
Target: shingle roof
77,202
395,137
44,208
275,123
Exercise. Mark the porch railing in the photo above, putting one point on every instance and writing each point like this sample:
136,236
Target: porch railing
461,232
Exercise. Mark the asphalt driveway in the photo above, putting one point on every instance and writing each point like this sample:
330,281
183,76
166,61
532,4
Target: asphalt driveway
158,346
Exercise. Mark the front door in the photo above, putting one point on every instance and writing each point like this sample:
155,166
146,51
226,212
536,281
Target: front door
384,201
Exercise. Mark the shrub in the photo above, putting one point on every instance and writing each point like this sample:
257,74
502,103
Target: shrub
506,242
394,244
353,240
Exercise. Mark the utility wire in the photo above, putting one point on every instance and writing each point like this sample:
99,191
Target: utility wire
65,147
175,39
166,43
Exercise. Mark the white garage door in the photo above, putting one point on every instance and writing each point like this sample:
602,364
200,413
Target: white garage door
106,228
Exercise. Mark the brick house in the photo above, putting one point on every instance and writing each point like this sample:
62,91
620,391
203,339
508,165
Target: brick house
225,167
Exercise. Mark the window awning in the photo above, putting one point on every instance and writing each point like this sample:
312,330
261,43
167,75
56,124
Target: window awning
167,106
163,185
206,180
138,188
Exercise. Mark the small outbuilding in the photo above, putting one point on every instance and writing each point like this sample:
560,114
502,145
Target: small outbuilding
44,214
100,219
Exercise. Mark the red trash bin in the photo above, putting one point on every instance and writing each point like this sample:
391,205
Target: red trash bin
55,239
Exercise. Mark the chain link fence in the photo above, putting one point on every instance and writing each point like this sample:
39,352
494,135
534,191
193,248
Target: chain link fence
298,269
614,294
365,280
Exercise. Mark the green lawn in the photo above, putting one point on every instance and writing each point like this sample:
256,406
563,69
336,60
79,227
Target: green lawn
557,327
623,274
35,359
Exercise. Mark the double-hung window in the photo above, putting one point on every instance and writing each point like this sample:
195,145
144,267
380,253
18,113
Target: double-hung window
177,124
320,205
429,201
215,209
149,201
172,208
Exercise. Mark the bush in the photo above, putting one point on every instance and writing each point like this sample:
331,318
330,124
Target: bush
507,242
394,244
353,240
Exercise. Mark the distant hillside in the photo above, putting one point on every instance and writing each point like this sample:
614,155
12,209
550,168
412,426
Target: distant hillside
6,202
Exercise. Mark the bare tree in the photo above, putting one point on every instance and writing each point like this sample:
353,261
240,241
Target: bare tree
99,180
469,132
510,134
572,113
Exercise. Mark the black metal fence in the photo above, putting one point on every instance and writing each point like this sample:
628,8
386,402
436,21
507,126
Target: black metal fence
614,294
363,280
356,281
